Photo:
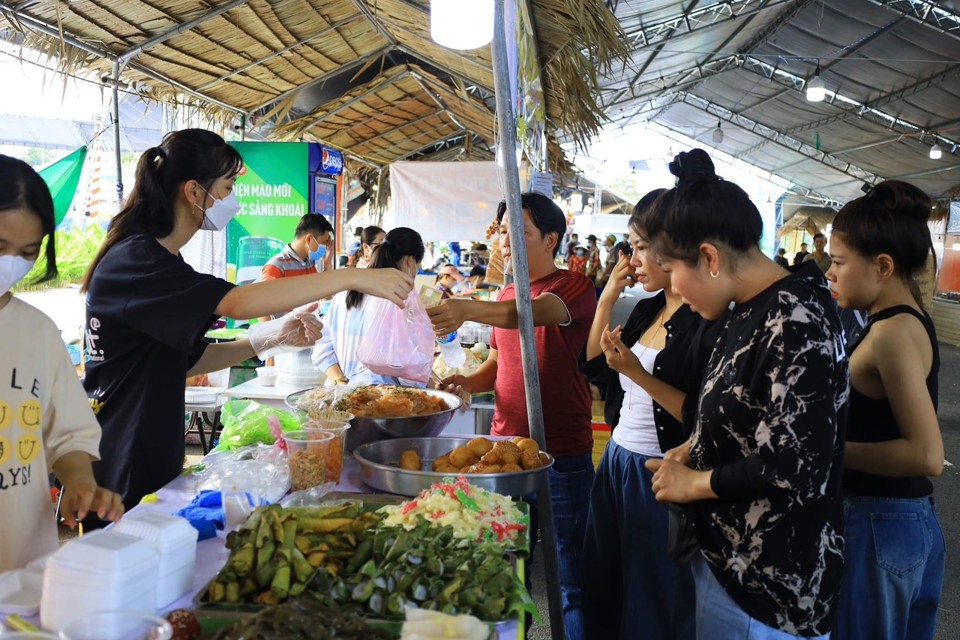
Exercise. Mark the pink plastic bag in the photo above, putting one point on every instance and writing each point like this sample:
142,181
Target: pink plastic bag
399,342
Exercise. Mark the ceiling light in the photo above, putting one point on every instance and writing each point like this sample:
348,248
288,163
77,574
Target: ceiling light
718,134
461,25
935,151
816,90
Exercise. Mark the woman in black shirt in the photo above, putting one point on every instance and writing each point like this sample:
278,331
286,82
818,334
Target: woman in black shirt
147,310
762,467
895,550
646,372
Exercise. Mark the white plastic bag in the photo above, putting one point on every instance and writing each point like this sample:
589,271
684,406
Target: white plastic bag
400,341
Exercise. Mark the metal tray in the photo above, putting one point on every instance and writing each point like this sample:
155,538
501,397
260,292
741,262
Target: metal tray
380,468
364,430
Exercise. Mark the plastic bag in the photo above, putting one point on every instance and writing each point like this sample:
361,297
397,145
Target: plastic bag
245,423
400,341
261,473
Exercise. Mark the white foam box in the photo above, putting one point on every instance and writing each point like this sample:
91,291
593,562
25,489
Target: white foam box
100,571
20,591
175,540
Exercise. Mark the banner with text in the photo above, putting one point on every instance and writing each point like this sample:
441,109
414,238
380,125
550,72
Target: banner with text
273,189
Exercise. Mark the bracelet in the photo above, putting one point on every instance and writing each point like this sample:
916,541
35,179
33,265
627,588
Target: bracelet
342,380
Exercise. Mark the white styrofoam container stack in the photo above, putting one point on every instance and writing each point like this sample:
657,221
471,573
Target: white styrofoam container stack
100,571
175,539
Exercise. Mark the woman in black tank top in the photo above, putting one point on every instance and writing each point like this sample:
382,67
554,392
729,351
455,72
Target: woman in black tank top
894,557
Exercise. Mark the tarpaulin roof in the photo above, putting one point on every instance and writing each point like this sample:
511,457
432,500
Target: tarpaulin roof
891,70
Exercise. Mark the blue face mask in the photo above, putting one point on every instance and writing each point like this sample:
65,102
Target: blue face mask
319,254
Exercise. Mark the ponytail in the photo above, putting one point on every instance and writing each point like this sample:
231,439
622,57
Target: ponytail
190,154
399,243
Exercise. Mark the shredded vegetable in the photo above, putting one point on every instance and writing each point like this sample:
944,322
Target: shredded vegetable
473,512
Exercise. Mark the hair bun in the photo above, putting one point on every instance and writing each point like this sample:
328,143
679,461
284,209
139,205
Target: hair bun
693,166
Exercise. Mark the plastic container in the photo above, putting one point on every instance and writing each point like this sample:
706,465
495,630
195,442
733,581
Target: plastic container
267,376
307,455
20,592
100,571
338,446
296,369
175,539
117,625
450,349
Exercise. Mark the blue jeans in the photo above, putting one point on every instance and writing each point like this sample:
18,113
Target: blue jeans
630,583
893,570
720,618
570,481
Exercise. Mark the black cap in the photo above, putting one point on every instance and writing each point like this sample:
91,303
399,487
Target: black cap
592,237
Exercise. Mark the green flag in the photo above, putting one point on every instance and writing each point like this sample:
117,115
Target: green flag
62,177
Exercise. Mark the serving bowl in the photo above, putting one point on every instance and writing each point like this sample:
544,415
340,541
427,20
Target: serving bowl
365,430
380,467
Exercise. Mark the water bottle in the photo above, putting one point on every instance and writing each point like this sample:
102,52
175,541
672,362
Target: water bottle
452,352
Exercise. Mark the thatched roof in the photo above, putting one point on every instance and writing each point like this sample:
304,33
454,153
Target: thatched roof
360,75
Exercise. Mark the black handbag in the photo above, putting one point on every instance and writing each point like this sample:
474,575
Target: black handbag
682,542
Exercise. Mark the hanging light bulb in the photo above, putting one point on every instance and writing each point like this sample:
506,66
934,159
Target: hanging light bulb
816,90
456,24
718,134
935,151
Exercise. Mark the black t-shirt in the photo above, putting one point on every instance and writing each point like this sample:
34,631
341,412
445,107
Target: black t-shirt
147,311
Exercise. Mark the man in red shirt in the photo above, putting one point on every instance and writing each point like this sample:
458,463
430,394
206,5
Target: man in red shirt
564,303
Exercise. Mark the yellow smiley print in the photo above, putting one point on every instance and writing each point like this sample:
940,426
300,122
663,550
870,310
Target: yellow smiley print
30,415
4,450
28,449
6,415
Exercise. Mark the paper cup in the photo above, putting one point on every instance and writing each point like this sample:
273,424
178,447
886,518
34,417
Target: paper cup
307,455
338,445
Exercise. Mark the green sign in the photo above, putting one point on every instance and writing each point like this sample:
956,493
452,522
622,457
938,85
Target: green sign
273,189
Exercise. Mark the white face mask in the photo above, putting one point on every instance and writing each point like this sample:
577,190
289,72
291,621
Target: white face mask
222,212
13,269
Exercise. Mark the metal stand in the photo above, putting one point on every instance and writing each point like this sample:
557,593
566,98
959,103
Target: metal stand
507,126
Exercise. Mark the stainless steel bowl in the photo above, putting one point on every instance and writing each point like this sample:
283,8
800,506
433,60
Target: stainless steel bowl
365,430
380,468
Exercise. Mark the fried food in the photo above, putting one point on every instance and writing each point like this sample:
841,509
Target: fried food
527,444
441,461
480,446
499,456
530,459
376,401
509,452
462,457
410,460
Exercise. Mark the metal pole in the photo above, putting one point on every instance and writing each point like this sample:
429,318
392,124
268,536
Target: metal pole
506,123
116,131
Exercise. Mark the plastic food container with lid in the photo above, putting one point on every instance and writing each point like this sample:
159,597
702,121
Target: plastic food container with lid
175,539
100,571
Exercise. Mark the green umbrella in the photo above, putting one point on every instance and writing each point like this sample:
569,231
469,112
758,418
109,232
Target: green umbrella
62,177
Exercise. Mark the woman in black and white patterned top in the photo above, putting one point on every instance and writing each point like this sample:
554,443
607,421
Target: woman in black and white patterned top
763,465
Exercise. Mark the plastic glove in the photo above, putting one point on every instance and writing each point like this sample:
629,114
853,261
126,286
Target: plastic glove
297,330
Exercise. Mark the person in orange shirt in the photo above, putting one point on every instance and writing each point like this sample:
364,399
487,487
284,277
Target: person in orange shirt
578,260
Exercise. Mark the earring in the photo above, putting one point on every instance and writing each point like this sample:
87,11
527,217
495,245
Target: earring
715,274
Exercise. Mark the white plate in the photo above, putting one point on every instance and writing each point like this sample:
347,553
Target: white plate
21,591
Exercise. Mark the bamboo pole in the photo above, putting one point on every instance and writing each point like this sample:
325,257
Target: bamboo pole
507,125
